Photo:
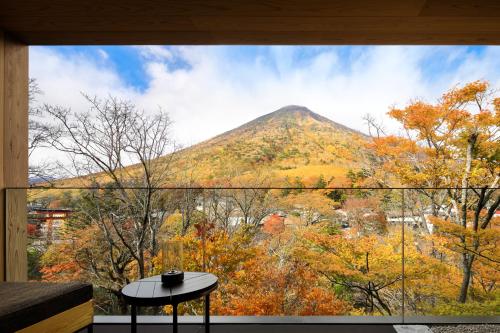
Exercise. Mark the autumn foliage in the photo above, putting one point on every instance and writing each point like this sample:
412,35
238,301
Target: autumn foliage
300,252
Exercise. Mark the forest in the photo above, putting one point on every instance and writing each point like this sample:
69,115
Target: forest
295,214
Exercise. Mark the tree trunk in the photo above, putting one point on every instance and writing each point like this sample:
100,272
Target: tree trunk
467,272
123,305
120,302
140,265
467,259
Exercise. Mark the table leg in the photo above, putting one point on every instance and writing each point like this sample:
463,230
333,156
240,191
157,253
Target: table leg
174,319
133,315
207,313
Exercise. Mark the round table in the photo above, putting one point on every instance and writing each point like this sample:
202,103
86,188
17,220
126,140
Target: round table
151,292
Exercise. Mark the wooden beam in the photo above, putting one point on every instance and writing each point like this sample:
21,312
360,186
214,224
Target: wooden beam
13,157
69,321
127,9
293,22
258,38
461,8
213,24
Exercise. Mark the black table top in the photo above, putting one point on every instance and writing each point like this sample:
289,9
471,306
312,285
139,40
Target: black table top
151,292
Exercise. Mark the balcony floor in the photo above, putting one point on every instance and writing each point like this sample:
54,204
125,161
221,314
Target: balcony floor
300,328
248,328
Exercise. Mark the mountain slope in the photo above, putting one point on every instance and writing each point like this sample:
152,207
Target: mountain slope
287,143
287,146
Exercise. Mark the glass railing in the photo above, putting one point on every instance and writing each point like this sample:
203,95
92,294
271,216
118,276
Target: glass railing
392,253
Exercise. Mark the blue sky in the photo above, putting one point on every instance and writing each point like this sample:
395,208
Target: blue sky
211,89
129,61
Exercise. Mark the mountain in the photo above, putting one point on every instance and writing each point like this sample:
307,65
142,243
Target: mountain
290,142
281,148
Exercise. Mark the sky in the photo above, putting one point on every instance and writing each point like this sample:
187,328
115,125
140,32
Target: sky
207,90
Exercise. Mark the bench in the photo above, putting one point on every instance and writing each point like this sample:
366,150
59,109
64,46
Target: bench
41,307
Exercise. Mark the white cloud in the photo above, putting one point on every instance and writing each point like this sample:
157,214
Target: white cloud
154,52
62,78
103,54
62,81
216,92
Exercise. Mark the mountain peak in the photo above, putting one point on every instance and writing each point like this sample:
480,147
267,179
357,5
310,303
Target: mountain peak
296,112
291,111
293,108
290,138
286,114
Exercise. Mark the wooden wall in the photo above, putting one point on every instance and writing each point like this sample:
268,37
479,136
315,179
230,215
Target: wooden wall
13,157
2,194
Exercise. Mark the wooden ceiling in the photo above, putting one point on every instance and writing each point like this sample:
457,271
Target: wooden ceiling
252,21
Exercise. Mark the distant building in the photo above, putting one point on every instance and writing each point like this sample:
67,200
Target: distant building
44,224
412,221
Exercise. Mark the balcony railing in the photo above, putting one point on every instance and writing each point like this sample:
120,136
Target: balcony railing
393,254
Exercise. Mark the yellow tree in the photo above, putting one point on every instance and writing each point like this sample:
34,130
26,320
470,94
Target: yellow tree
212,249
366,266
311,205
369,266
453,144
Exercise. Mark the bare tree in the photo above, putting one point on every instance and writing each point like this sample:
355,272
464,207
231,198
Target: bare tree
128,154
39,134
253,202
219,208
375,128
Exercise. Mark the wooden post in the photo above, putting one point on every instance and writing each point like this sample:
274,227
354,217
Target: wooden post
13,157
